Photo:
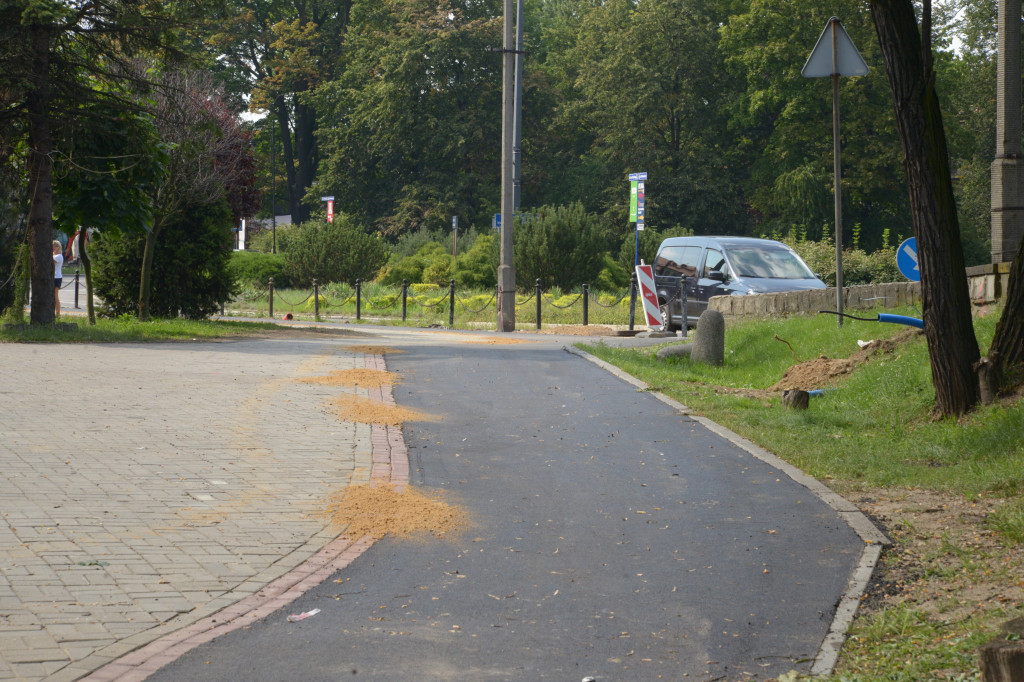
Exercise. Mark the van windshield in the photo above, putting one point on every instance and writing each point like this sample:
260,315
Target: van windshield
767,263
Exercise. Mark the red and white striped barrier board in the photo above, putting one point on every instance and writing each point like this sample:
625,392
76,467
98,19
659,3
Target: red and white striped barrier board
652,313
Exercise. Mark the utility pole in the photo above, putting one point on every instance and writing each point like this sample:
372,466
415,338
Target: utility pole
1008,166
517,148
273,187
506,271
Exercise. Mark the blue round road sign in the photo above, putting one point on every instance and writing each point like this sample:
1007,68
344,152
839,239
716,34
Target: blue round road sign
906,260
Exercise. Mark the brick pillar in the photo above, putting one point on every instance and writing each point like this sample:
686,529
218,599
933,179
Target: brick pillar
1008,166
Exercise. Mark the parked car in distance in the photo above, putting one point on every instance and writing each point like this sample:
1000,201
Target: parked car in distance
688,271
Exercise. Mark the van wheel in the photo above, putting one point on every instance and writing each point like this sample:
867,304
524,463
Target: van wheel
666,317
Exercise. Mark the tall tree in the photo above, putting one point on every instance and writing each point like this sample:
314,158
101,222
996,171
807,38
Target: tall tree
410,128
785,120
55,56
952,346
208,157
650,87
280,51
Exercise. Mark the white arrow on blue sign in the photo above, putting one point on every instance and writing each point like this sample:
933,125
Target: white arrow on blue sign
906,260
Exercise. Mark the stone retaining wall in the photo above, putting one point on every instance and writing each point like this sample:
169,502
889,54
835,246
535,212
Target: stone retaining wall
987,284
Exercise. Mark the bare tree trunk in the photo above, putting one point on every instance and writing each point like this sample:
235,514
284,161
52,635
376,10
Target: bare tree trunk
1007,350
952,346
283,122
40,174
147,271
305,125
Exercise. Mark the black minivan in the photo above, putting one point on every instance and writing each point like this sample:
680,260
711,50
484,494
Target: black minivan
723,266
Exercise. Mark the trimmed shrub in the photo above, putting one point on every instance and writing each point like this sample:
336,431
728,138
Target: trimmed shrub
342,251
254,269
560,245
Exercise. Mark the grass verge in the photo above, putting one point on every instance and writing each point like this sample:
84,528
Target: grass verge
950,493
128,330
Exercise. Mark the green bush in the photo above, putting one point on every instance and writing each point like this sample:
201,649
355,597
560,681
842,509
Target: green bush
858,267
254,269
341,251
476,268
412,267
263,241
190,276
560,245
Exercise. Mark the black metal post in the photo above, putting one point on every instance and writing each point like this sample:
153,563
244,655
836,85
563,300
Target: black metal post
271,297
316,300
632,300
586,304
538,302
359,299
451,303
76,291
405,296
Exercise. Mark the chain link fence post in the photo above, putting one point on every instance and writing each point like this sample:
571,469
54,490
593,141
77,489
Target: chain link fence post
316,300
359,299
271,297
405,297
451,302
76,292
539,295
586,305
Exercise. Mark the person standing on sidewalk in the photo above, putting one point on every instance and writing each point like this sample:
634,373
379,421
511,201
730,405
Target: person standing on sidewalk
58,275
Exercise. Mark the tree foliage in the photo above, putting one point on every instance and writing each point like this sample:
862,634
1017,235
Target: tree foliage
190,272
340,251
562,246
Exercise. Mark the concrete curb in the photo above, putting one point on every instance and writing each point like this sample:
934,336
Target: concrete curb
828,653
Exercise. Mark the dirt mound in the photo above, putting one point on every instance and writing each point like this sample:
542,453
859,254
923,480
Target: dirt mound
353,408
367,378
382,509
577,330
824,371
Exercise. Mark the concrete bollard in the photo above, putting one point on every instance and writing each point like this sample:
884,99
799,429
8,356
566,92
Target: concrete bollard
709,339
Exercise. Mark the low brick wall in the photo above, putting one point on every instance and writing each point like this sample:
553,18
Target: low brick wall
796,302
987,284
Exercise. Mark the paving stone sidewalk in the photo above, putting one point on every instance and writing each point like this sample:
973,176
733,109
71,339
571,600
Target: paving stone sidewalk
145,487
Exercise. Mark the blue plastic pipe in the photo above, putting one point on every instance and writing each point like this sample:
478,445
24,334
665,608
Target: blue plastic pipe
901,319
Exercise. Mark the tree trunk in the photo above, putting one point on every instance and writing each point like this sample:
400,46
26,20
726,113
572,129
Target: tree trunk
952,346
146,277
305,126
289,156
1007,349
83,253
40,180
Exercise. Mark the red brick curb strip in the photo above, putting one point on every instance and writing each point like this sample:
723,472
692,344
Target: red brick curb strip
390,463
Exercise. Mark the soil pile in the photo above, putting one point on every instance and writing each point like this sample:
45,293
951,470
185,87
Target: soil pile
824,371
354,408
367,378
382,509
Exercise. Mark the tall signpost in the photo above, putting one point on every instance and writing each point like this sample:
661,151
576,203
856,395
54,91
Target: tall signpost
637,185
835,55
506,271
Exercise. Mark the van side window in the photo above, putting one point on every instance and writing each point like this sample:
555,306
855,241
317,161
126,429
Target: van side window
714,261
676,261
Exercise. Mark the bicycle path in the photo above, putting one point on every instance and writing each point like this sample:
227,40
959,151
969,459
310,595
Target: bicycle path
611,536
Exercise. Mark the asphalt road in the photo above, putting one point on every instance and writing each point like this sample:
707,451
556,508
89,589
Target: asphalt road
610,537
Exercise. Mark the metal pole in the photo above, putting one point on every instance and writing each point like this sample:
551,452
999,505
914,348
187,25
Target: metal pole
451,303
273,186
405,297
506,271
76,291
517,144
359,299
538,292
316,300
271,314
586,305
837,178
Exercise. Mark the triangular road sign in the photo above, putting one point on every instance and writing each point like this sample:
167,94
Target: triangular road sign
848,61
